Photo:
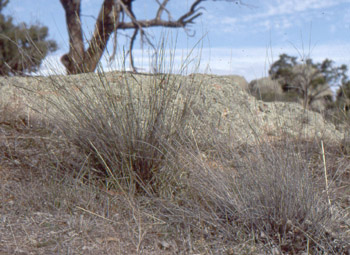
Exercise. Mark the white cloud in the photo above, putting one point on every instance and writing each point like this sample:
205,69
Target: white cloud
283,14
346,18
332,28
283,7
228,20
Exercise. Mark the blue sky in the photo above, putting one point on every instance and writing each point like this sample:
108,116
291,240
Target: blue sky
234,39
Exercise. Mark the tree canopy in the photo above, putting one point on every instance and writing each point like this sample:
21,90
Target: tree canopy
22,46
308,80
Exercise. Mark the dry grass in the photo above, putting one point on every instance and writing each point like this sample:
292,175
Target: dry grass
275,196
48,206
113,169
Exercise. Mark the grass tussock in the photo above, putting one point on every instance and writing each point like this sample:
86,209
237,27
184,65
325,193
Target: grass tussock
124,126
270,194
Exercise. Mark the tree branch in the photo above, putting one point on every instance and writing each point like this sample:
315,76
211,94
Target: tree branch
75,56
161,9
191,12
157,22
116,24
105,25
130,50
150,23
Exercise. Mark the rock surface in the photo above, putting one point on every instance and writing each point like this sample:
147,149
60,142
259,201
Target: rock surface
219,102
233,111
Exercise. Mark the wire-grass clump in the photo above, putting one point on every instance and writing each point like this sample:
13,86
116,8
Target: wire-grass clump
267,192
124,123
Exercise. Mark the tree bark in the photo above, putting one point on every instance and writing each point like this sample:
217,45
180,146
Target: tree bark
74,60
106,23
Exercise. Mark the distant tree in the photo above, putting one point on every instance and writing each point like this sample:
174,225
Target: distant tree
331,74
308,81
112,17
22,47
343,94
281,70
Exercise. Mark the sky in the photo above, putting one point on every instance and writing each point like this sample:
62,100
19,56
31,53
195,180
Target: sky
228,39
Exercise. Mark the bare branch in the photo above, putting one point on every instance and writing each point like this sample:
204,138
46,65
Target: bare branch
116,24
127,11
130,50
151,23
137,24
105,25
191,12
157,22
161,9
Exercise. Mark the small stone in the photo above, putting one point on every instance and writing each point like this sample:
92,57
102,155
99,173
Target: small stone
164,245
